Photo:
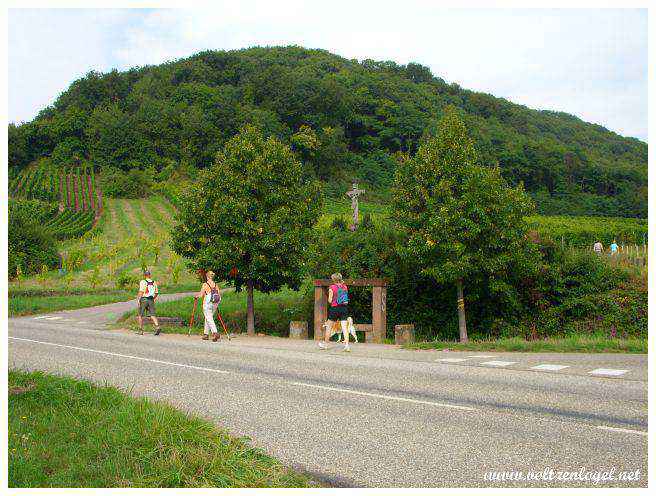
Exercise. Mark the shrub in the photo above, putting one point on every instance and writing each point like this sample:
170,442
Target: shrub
135,183
29,246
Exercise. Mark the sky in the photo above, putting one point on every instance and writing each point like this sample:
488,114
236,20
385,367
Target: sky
588,62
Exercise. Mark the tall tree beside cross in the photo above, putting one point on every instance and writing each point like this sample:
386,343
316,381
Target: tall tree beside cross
462,219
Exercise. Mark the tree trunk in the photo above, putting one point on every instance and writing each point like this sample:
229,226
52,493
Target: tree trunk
250,316
462,324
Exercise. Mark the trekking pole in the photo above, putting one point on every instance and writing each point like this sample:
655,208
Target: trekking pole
193,312
223,325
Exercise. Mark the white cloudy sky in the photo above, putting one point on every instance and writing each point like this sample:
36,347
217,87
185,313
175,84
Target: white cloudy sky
591,63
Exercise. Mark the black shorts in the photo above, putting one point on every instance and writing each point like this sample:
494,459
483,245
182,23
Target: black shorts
339,312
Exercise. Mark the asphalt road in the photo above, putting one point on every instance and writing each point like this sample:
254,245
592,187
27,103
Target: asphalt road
379,416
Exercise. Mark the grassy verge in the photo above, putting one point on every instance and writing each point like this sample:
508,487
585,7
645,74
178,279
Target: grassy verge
273,312
30,305
35,301
69,433
573,344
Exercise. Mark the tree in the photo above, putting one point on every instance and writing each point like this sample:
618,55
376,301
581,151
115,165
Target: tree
462,220
249,217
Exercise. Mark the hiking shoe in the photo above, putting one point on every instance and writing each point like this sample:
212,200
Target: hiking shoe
322,346
140,332
216,337
157,331
206,337
347,348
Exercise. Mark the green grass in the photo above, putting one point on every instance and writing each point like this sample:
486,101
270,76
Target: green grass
273,312
30,305
69,433
572,344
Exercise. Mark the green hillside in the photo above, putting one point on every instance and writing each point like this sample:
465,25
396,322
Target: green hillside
345,119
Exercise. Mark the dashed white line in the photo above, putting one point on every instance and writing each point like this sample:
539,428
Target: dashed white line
383,396
497,363
481,356
452,360
52,318
132,357
549,366
618,429
41,317
611,372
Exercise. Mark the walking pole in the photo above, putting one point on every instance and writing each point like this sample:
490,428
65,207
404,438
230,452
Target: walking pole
223,325
193,311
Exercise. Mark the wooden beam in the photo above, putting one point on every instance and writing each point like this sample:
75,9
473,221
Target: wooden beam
353,282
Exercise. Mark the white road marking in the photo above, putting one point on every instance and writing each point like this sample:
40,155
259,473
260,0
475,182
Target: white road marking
152,360
452,360
41,317
613,372
549,366
618,429
497,363
52,318
481,356
373,395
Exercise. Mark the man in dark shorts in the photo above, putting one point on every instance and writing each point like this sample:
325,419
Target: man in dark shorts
147,295
338,311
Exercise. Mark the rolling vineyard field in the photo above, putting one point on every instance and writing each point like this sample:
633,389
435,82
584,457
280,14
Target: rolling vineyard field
130,234
75,192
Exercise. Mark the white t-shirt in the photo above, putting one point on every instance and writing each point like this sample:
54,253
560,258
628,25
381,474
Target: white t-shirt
148,289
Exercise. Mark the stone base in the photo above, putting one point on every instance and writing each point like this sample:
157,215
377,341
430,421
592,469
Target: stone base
298,329
404,333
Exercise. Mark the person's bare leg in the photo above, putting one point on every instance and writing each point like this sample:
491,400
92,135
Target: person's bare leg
155,321
140,321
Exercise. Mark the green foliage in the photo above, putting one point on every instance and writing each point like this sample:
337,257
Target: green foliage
133,183
250,211
346,119
29,246
585,231
125,280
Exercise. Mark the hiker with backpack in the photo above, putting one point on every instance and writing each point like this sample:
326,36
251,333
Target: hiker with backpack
146,297
211,296
338,311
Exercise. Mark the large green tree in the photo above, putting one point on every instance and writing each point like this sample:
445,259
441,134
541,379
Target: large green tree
249,216
462,220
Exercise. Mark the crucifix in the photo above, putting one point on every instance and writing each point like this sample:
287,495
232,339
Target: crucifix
353,194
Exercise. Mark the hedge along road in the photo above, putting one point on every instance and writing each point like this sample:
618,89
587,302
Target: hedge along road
376,417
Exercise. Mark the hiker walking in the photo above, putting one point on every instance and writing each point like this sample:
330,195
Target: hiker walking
211,296
613,248
337,311
147,295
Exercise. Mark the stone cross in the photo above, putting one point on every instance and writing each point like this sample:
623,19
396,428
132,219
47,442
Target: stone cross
354,194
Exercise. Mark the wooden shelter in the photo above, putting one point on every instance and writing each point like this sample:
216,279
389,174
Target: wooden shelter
374,332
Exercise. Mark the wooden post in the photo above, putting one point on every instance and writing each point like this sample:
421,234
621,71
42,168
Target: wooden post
320,311
462,323
250,313
378,313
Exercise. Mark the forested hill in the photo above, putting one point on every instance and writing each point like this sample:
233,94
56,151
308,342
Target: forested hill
347,119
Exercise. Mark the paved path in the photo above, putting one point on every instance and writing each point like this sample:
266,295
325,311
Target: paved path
379,416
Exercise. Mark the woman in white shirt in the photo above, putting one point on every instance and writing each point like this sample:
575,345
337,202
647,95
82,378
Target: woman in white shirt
211,296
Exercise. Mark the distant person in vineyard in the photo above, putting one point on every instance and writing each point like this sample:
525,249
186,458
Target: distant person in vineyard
211,296
598,248
147,295
613,248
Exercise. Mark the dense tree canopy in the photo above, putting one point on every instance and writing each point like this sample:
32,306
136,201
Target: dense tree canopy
346,119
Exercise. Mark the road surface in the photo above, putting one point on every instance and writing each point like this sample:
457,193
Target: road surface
379,416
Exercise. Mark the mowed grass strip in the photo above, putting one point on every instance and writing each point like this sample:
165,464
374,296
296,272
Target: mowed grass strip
569,344
69,433
30,305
